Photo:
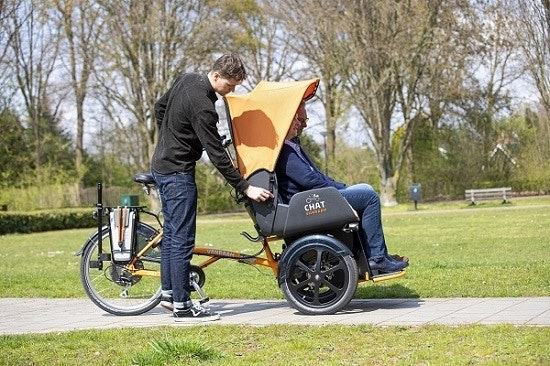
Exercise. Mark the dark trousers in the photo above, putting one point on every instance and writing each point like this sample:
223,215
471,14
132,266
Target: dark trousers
364,199
178,196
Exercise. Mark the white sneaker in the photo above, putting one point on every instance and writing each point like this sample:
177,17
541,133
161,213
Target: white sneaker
194,313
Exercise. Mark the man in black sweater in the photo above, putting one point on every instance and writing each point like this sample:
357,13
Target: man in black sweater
187,120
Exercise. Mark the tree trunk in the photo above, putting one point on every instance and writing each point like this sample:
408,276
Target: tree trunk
388,193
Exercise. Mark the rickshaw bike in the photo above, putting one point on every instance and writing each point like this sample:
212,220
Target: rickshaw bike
321,260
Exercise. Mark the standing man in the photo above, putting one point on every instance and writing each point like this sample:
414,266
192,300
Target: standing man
187,119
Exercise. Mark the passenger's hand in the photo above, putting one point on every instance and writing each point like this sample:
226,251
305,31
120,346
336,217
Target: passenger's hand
258,194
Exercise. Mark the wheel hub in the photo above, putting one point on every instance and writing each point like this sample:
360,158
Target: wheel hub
122,276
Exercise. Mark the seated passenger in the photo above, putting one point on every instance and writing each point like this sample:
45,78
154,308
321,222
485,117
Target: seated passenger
296,173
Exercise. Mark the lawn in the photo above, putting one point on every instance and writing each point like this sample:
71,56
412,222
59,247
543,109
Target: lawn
283,345
454,252
491,250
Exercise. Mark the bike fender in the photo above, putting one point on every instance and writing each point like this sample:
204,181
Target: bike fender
90,240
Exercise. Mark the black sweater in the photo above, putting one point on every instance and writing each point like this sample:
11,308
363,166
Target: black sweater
187,119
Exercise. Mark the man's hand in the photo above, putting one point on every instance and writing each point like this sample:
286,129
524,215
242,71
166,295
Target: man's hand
258,194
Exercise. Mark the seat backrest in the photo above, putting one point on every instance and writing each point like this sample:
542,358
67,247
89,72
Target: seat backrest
263,213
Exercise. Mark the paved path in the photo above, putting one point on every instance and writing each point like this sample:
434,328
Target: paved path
19,316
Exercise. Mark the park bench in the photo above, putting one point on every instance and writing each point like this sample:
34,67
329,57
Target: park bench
487,194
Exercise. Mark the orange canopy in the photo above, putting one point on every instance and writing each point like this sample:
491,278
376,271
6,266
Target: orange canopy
260,121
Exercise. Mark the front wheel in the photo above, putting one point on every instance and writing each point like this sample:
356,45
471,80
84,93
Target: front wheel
318,275
113,287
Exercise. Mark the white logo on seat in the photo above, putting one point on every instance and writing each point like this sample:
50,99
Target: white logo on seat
314,205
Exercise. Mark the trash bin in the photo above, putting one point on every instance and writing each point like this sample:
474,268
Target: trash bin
415,193
129,200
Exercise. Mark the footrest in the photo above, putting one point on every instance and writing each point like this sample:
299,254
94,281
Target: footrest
385,276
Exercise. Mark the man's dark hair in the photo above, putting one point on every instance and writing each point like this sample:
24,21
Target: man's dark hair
230,66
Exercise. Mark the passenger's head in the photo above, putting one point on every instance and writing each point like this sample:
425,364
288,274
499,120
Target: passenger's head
301,117
228,72
299,122
293,130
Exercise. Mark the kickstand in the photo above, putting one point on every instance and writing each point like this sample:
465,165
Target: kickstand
125,292
199,290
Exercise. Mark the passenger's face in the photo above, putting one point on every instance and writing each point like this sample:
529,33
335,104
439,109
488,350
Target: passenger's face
222,85
301,117
294,128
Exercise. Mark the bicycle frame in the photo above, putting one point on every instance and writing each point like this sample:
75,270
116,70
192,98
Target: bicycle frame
214,254
269,260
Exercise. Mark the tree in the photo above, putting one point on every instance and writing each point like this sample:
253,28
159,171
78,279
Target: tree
33,52
532,28
252,29
14,153
81,23
491,74
145,44
532,148
390,47
317,36
8,10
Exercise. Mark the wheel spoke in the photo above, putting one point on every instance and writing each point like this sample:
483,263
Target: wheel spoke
330,271
300,264
316,294
301,284
332,286
318,261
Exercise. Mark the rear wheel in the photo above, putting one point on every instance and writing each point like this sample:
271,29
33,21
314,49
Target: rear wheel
319,276
113,287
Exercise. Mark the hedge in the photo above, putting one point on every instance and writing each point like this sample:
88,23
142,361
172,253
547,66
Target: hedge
30,222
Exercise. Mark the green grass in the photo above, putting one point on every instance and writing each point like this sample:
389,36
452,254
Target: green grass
489,250
454,252
284,345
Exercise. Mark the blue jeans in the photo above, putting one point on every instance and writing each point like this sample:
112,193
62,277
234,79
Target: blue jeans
364,199
178,196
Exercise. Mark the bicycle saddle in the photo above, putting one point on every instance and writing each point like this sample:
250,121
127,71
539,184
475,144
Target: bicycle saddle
144,178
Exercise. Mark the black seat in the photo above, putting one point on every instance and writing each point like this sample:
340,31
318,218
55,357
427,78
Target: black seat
144,178
311,211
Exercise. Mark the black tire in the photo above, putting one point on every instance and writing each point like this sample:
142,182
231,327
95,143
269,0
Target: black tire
112,287
318,275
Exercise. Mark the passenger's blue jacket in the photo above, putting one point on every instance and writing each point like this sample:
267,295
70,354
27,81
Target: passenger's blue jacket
296,172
